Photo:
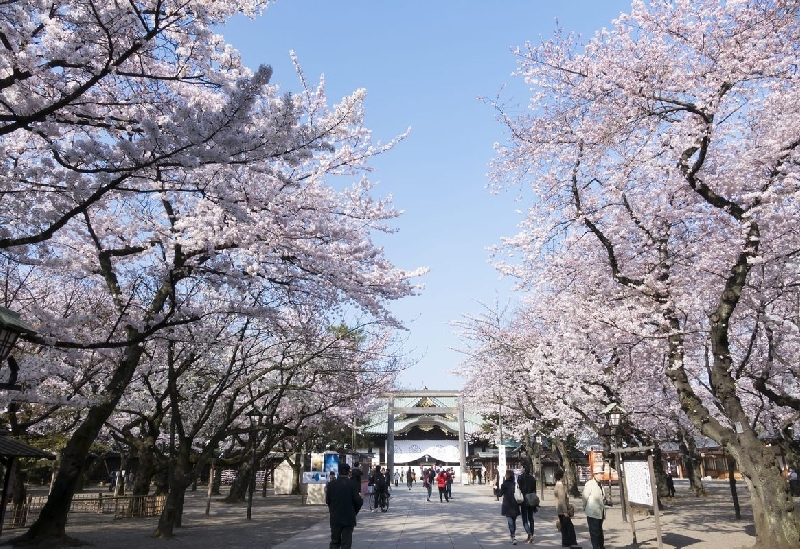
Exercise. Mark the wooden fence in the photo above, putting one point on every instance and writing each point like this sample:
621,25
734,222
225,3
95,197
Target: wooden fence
101,504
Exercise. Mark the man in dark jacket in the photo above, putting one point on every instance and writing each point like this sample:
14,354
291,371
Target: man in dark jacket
344,502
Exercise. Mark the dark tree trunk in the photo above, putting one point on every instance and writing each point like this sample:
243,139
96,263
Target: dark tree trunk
52,521
732,482
144,473
297,467
658,470
217,480
239,486
19,493
570,471
183,475
173,509
690,459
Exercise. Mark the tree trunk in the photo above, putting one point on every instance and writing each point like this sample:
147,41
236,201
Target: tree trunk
297,467
690,459
570,471
52,521
183,475
217,480
173,509
658,470
144,473
239,486
732,482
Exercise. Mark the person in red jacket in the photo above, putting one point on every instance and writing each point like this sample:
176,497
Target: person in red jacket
441,482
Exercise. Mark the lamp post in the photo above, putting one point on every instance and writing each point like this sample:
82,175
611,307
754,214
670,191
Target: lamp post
253,414
11,327
615,414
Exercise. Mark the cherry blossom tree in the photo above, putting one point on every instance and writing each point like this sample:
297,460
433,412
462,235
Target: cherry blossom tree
663,159
153,175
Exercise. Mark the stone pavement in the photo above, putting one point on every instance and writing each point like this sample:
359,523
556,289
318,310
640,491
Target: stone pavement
471,520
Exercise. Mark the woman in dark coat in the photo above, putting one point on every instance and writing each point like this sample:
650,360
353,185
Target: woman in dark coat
510,508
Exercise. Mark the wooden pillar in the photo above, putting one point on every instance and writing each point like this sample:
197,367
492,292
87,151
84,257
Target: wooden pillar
462,447
390,438
10,465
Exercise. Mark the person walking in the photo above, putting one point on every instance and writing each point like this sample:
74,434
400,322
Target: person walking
497,484
408,478
427,481
563,507
794,487
670,485
441,483
510,507
450,474
527,485
396,478
344,502
595,509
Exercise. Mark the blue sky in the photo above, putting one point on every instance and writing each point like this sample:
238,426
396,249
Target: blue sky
424,65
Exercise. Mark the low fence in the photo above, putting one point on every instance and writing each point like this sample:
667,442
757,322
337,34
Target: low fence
20,516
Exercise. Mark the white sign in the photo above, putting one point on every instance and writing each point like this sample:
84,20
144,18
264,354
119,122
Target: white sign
314,477
637,482
411,450
501,463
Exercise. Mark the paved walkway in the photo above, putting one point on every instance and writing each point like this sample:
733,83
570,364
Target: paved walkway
471,520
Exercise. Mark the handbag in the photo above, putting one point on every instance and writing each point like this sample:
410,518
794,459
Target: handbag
532,500
558,524
570,510
518,497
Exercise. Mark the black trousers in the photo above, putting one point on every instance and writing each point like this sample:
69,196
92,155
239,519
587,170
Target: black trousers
527,518
596,532
568,538
341,536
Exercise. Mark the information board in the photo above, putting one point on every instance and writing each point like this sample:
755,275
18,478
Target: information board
637,483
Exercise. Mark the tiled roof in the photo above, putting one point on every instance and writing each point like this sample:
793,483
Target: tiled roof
11,447
379,421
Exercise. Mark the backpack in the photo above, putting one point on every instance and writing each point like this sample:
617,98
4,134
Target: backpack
379,481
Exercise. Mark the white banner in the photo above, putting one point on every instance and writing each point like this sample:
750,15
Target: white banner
637,482
314,477
501,463
440,450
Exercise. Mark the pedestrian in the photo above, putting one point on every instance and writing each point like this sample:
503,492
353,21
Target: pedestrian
112,481
356,475
564,510
497,484
510,507
441,483
408,478
397,478
527,485
794,488
414,476
670,485
595,509
427,481
450,475
344,502
486,476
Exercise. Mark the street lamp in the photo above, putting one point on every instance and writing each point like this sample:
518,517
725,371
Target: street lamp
11,327
614,416
253,413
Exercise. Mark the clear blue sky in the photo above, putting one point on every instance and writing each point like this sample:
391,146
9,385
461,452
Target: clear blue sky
424,65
